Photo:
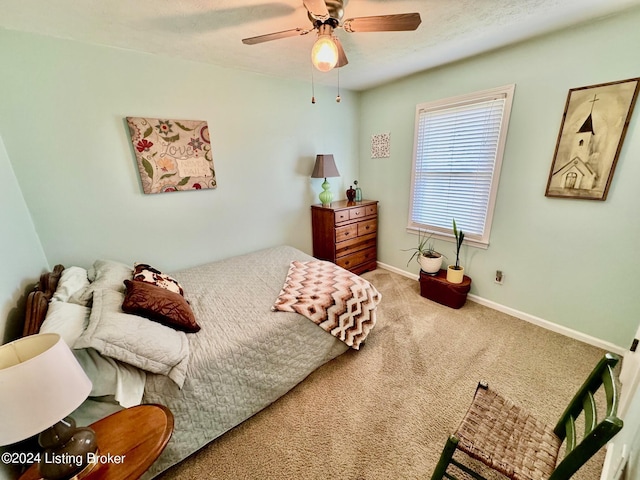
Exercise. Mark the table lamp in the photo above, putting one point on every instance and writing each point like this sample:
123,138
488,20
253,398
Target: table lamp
325,167
41,383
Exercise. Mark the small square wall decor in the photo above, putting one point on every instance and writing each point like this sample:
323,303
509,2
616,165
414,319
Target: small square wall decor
172,155
381,145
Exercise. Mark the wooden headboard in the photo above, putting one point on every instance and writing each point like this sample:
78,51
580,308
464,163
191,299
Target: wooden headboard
38,300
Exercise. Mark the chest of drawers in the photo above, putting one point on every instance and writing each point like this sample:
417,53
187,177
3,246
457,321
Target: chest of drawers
346,234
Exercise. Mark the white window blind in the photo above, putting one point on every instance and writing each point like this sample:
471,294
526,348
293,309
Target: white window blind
456,166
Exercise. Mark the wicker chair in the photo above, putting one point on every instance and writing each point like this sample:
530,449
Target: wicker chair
509,440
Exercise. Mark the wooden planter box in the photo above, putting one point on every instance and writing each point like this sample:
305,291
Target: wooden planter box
436,288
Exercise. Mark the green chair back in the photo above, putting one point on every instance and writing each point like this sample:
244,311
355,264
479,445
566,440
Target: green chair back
596,434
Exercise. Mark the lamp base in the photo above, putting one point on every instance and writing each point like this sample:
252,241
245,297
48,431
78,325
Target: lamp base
67,451
326,196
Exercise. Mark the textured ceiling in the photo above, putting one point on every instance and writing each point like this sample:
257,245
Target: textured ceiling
211,31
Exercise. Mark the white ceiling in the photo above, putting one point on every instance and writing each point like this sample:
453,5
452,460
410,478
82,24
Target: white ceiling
211,31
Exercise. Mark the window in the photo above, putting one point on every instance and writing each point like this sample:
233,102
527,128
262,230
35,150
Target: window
458,150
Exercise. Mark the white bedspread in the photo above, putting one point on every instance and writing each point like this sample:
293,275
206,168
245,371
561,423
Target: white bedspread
245,356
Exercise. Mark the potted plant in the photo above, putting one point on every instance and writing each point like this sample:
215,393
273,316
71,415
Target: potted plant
429,259
455,273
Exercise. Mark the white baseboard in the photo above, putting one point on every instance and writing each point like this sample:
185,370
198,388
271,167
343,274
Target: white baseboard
567,332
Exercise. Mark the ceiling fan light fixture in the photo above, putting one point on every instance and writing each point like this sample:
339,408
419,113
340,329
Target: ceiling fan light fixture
325,16
324,53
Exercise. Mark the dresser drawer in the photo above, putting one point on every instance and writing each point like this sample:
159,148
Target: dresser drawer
367,227
356,213
341,216
355,245
350,261
346,232
371,209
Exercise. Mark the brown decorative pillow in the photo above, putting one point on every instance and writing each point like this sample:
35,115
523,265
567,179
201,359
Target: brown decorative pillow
146,273
160,305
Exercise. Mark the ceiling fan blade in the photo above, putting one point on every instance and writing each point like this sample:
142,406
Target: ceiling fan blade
342,57
275,36
383,23
317,9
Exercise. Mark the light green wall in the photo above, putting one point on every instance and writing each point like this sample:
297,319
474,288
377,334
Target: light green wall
21,255
570,262
64,105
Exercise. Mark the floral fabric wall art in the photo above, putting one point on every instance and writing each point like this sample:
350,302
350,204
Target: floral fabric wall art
172,155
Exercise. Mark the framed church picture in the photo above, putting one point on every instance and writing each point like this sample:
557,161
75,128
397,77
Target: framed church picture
593,128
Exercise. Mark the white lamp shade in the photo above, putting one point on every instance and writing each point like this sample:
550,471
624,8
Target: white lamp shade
41,382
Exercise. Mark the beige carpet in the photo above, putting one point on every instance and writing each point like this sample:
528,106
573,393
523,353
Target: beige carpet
385,411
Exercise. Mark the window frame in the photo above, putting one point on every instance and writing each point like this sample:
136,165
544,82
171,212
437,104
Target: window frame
482,241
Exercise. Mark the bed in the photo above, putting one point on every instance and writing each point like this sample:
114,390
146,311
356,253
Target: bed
258,335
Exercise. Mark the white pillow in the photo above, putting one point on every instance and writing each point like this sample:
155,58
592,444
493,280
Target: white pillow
110,377
134,340
106,274
72,282
66,319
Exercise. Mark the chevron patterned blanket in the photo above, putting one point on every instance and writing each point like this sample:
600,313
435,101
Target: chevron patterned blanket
335,299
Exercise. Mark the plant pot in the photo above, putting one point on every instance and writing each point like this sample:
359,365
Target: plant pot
430,265
455,275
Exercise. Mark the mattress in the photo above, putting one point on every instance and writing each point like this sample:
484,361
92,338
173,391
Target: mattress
244,357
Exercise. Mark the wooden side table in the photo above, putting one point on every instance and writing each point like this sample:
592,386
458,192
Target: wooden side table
436,288
129,441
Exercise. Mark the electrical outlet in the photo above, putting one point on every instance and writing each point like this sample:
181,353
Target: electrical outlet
499,277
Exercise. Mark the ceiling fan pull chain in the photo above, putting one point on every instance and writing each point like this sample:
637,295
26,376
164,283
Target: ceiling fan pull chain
313,90
338,98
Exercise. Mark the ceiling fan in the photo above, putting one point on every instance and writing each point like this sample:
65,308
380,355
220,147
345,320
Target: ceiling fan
326,16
